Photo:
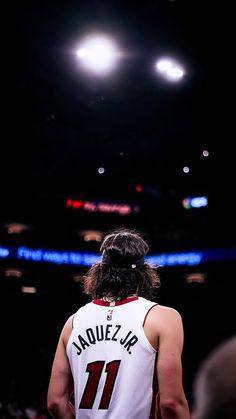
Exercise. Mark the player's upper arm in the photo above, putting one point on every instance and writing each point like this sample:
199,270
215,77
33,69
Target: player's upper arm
60,384
169,363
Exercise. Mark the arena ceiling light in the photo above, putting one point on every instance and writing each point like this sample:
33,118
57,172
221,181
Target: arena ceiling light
98,54
170,69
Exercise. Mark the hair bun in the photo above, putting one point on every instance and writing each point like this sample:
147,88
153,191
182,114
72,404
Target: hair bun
123,249
116,259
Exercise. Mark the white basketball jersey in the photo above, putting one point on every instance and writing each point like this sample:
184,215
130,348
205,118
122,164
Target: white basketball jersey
111,360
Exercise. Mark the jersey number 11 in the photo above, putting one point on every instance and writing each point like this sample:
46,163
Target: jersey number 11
95,371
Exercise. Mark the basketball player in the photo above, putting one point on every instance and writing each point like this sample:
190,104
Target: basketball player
215,384
110,348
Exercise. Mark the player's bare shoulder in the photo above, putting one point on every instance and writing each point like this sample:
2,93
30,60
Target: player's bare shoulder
164,312
160,322
167,311
163,317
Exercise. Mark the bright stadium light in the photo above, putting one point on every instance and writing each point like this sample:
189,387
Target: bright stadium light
170,69
164,64
98,54
175,73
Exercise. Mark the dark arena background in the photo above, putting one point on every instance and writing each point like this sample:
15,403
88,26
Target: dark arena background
139,135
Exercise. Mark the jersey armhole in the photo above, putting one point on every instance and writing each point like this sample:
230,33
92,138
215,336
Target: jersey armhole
145,318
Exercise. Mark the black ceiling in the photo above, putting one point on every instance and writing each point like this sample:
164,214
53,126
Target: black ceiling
61,125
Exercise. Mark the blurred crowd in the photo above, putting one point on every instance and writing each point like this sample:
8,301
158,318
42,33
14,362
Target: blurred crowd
14,411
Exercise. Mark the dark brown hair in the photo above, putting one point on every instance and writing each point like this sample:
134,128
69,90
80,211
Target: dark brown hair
122,270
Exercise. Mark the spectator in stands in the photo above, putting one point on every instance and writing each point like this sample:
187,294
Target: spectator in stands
214,388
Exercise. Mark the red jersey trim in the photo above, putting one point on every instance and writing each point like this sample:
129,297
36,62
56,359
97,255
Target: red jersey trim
116,303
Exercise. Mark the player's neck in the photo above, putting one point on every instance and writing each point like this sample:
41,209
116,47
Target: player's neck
109,298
